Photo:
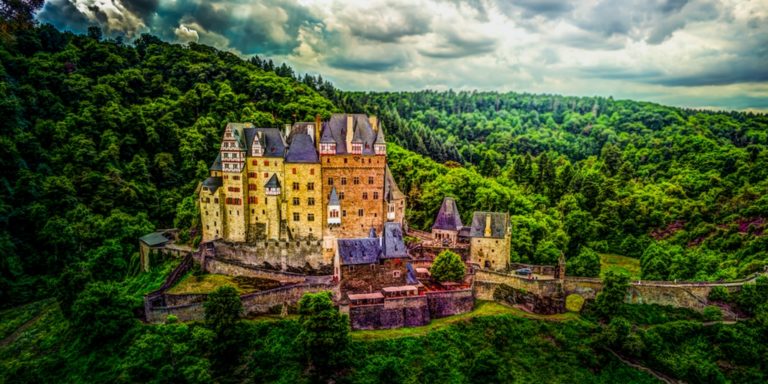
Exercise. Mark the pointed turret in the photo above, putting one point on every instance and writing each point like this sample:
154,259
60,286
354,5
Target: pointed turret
334,208
380,146
357,141
273,186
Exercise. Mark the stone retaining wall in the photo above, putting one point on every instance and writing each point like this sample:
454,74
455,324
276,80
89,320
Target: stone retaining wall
305,256
449,303
225,267
399,312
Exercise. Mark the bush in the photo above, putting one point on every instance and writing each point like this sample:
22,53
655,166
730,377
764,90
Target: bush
712,313
719,294
448,267
586,264
574,303
102,313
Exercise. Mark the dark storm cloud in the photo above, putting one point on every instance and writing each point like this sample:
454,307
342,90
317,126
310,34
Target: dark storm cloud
650,21
387,23
454,45
378,63
142,8
63,15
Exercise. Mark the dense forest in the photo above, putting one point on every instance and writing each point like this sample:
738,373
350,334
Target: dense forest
684,191
104,141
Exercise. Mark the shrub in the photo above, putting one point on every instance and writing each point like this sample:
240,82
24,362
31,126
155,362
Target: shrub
712,313
718,294
448,267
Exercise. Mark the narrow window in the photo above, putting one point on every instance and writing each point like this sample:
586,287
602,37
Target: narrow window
360,212
370,179
295,216
295,201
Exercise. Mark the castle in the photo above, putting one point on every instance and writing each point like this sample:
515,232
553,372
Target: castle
316,182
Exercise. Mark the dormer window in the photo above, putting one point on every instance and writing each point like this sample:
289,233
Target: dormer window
357,148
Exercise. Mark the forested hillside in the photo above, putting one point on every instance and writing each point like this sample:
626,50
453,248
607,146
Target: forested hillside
685,191
103,142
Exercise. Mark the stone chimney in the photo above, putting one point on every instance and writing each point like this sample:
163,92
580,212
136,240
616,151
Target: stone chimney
350,127
374,123
487,225
318,127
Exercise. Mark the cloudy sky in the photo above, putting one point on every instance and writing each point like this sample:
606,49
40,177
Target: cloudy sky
698,53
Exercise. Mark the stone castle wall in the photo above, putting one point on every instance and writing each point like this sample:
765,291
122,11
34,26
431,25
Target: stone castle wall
191,307
305,256
411,311
230,268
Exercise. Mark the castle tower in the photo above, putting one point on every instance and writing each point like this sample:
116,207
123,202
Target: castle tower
273,203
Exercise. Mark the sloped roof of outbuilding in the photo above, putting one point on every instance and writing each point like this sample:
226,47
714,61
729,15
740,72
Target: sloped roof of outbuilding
359,251
393,245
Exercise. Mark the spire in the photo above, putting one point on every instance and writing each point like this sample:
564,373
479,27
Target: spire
334,199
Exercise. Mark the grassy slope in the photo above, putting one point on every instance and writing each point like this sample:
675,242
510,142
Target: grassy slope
616,263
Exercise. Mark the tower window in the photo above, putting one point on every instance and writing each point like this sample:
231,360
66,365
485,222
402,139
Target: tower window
295,186
375,195
341,195
360,212
343,181
365,195
312,171
295,216
293,170
310,217
310,186
355,180
295,201
330,181
311,201
370,179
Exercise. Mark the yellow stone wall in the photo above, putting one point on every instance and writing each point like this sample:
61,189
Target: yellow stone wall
297,187
236,215
211,214
493,250
363,167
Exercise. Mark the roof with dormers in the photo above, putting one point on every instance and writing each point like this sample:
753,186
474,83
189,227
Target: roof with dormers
335,131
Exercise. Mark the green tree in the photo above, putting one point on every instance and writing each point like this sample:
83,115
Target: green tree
223,309
324,332
611,297
102,313
586,263
448,267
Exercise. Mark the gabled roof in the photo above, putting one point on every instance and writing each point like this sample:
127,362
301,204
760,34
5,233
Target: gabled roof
216,166
326,136
334,198
335,131
302,150
359,251
154,239
272,141
448,217
393,245
273,182
499,224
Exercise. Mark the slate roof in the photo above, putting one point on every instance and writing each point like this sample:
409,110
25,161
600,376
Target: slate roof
238,131
336,131
302,150
499,224
359,251
391,190
212,183
392,243
464,231
297,128
448,217
334,198
410,278
272,141
273,182
154,239
380,137
216,166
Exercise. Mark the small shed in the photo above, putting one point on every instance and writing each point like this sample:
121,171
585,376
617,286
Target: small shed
154,240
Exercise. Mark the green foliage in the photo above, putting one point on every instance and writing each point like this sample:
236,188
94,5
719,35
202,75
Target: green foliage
611,297
324,332
448,267
587,263
103,313
719,294
712,313
223,309
752,296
